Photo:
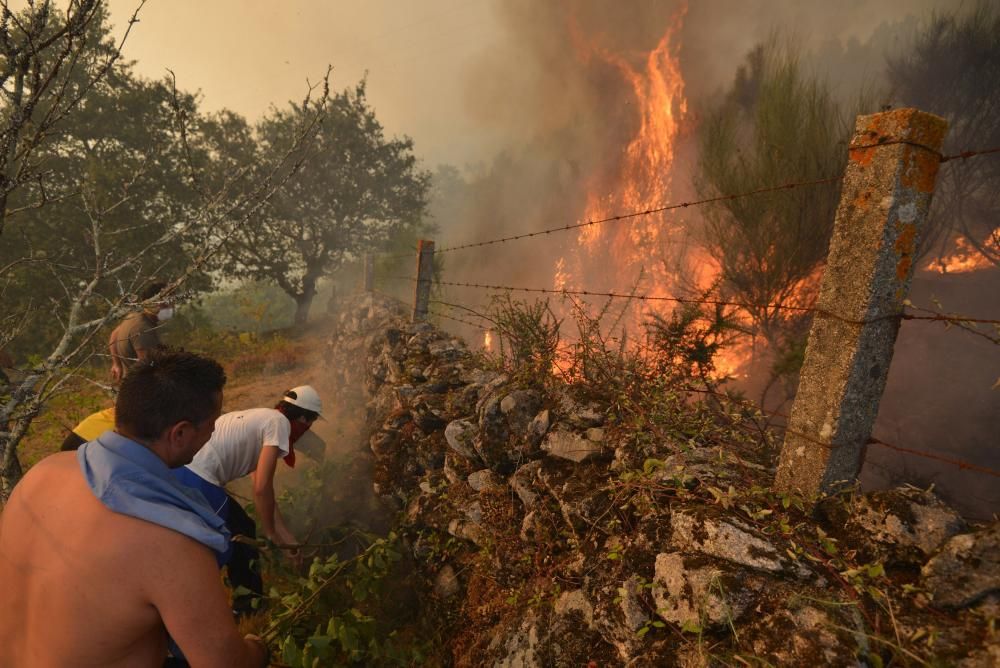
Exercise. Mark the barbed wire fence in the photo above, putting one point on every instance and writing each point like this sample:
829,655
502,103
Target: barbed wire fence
734,399
987,328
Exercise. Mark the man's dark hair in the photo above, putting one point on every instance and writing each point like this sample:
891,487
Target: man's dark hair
293,412
151,290
167,387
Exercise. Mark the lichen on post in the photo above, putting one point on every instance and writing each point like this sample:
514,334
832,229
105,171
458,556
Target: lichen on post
887,188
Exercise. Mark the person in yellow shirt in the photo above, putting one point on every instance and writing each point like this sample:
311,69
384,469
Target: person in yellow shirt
89,429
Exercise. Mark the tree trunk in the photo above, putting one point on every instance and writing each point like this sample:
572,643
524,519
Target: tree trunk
10,472
303,300
302,304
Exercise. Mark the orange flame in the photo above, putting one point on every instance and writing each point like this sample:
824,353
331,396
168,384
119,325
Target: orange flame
488,340
654,247
965,257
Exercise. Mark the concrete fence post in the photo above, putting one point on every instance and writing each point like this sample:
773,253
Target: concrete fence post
369,272
425,271
893,162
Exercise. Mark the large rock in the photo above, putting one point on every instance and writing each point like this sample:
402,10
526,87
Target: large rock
461,436
700,595
619,613
467,530
538,428
570,602
522,482
493,433
966,569
633,612
897,526
446,582
456,467
520,407
447,349
568,445
803,636
464,401
428,418
522,647
384,443
727,539
581,415
483,480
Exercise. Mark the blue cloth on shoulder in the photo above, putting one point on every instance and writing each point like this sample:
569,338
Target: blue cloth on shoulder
216,496
130,479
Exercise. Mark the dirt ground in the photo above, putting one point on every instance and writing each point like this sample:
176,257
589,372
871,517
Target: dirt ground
337,437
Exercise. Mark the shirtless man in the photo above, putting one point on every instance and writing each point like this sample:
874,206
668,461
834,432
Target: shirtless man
102,553
137,334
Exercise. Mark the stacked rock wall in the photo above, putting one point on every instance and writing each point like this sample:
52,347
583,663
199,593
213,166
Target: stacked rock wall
541,542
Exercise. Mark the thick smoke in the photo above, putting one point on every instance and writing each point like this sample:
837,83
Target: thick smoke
566,117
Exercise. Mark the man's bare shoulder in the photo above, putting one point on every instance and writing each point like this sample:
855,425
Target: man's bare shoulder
52,470
57,536
57,482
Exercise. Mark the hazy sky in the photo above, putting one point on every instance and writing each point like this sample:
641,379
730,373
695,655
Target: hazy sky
248,54
421,54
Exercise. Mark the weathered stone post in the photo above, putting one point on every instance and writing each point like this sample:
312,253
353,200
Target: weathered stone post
425,270
369,272
893,162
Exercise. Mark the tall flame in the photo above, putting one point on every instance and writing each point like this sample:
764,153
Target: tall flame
649,254
642,180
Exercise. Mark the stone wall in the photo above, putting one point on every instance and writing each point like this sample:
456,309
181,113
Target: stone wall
541,541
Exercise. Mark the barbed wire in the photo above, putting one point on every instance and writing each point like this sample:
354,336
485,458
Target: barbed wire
630,215
964,155
438,314
965,324
959,463
940,458
933,317
463,307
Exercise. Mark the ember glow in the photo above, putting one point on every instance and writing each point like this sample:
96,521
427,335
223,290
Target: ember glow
965,257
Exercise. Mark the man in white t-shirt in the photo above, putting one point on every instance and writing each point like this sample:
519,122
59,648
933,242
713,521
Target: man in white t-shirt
244,443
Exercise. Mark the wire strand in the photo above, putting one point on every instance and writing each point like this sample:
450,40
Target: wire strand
964,155
936,317
634,214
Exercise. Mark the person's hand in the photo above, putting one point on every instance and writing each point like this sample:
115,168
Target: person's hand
294,555
116,372
262,646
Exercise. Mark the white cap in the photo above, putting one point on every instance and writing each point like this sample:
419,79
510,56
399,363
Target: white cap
304,396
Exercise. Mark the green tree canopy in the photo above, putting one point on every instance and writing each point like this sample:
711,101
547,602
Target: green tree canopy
356,191
112,168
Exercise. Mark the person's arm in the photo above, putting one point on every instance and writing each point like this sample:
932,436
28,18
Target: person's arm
72,442
117,368
194,607
145,341
263,494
